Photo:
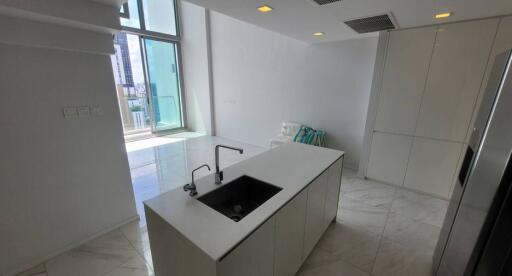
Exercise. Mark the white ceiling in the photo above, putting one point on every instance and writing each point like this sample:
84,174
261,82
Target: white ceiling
300,18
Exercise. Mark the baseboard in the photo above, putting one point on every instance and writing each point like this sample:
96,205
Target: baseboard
38,261
408,189
350,166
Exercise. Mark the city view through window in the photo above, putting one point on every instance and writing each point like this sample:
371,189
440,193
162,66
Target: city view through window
145,67
130,83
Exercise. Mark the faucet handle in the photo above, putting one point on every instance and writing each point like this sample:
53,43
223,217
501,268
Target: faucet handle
191,188
219,177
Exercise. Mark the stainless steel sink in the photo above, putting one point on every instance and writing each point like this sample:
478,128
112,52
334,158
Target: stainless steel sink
239,197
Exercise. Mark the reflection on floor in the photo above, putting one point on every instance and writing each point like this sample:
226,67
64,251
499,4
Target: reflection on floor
380,230
167,164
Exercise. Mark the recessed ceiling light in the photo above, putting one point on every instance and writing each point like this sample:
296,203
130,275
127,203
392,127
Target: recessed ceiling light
265,8
318,34
443,15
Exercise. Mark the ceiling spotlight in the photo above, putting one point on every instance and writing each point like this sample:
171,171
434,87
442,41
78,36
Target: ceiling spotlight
265,8
318,34
443,15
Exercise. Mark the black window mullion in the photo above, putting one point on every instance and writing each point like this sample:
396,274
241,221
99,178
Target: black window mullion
141,15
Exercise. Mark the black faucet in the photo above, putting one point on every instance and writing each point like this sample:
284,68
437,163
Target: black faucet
219,175
192,186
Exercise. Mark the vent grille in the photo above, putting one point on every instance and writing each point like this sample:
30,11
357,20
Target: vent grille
325,2
371,24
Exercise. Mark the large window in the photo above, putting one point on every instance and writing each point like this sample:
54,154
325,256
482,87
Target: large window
146,67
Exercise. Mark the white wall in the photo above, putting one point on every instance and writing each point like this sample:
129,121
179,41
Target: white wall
84,14
62,181
262,79
196,67
36,34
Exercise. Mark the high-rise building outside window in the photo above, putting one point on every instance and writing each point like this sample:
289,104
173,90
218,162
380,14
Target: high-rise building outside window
146,67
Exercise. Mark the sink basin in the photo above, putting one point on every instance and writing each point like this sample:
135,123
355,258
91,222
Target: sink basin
239,197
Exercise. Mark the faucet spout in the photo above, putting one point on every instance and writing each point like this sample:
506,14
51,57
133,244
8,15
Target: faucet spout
192,186
219,175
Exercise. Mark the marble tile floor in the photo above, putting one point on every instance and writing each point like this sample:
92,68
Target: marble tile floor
380,230
163,163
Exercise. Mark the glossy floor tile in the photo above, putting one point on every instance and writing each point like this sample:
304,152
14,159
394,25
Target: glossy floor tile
380,229
164,163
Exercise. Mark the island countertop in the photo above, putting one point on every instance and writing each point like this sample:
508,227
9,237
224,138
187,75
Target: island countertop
291,167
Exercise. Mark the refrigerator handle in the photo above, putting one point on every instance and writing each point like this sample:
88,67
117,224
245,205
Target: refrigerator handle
464,169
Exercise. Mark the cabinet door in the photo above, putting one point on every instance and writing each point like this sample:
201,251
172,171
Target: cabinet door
388,157
333,192
289,236
314,213
432,164
502,42
254,256
403,79
456,71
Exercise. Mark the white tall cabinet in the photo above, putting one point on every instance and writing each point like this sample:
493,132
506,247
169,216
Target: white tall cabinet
404,77
431,85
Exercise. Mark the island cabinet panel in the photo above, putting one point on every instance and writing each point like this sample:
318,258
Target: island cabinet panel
172,253
314,227
254,256
333,192
188,239
289,236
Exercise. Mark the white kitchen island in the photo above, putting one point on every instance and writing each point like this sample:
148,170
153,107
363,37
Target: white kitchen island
188,237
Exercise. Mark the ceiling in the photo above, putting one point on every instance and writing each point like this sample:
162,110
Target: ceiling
300,18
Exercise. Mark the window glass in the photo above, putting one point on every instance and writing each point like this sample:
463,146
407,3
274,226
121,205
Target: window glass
164,84
159,16
128,71
133,12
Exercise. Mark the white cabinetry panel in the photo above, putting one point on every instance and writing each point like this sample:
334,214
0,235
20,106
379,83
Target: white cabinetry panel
502,43
404,79
333,192
388,157
458,64
432,166
315,213
254,256
289,236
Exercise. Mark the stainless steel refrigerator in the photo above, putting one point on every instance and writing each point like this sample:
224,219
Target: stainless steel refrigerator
476,238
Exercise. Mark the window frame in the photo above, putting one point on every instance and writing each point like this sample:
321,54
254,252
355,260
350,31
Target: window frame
176,40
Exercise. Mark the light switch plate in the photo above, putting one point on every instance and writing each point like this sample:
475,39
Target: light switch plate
96,110
83,111
70,112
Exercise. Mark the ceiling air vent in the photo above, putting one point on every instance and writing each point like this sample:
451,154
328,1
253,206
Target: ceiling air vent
372,24
324,2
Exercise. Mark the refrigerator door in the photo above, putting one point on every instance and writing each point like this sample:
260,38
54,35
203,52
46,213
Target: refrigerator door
496,258
491,144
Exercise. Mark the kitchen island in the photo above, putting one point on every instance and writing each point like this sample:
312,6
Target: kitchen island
188,237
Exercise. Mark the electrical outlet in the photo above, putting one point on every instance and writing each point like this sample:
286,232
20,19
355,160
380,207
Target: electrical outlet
84,111
70,112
